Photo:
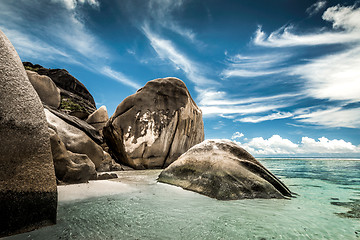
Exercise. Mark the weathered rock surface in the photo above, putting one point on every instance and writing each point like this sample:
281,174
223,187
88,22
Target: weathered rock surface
28,193
70,167
78,123
75,98
223,170
76,140
99,118
154,126
48,92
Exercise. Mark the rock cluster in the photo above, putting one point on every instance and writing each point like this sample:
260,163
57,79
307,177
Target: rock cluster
223,170
76,100
154,126
52,118
28,194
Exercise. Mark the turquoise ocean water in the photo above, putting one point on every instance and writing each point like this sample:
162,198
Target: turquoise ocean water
326,207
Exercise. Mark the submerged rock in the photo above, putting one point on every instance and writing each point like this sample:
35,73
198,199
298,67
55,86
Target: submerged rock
223,170
28,193
70,167
154,126
46,88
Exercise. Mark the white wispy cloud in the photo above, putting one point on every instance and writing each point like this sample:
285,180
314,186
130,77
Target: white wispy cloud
219,103
72,4
61,35
334,77
213,97
273,116
316,7
166,50
62,29
346,29
276,145
31,46
332,117
238,109
118,76
161,11
246,73
254,65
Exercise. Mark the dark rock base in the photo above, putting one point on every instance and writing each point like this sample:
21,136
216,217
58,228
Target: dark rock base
26,211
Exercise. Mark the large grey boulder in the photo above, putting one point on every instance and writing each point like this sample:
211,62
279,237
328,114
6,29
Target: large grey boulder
70,167
48,92
76,140
154,126
223,170
28,193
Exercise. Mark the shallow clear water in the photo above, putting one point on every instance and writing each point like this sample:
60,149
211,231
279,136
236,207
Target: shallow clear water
151,210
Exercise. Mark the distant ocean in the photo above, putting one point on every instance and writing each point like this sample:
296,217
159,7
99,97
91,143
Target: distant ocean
327,206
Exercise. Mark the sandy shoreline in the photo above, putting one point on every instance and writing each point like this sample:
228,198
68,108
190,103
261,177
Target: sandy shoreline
127,181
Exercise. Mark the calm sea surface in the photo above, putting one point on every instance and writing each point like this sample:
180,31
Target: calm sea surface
327,207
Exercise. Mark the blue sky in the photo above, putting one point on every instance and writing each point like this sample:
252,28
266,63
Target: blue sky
281,78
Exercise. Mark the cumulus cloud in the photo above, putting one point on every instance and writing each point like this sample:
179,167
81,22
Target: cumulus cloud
276,145
315,8
237,135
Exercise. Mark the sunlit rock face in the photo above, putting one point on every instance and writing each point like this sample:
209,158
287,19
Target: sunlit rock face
48,92
154,126
28,193
99,118
223,170
76,140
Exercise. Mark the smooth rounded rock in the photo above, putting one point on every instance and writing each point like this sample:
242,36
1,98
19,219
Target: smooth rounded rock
76,140
70,167
48,92
98,118
223,170
28,193
154,126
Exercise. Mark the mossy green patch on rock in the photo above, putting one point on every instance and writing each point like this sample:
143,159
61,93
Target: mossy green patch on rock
68,104
34,69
